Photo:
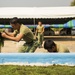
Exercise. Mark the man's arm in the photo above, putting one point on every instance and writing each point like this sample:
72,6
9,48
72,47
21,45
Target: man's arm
10,34
36,31
17,38
42,30
35,34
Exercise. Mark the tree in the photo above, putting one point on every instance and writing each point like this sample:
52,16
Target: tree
73,3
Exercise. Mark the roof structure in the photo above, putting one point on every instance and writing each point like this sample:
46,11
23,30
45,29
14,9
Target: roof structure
37,12
69,24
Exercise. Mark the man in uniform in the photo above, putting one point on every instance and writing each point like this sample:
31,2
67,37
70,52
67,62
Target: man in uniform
21,32
50,46
40,31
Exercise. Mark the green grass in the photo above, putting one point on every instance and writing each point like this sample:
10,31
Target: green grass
37,70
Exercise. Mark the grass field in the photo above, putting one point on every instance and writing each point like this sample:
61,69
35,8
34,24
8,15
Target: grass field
37,70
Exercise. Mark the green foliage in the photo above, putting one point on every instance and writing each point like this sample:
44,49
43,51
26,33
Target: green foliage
37,70
73,3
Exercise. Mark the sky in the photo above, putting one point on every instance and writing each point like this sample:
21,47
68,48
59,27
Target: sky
34,3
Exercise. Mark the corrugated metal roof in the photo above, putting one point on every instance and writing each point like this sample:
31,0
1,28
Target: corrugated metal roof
37,12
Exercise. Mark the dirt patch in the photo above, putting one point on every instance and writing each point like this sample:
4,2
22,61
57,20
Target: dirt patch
12,47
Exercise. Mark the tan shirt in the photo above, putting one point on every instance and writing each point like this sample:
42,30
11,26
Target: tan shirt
40,28
28,35
62,48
